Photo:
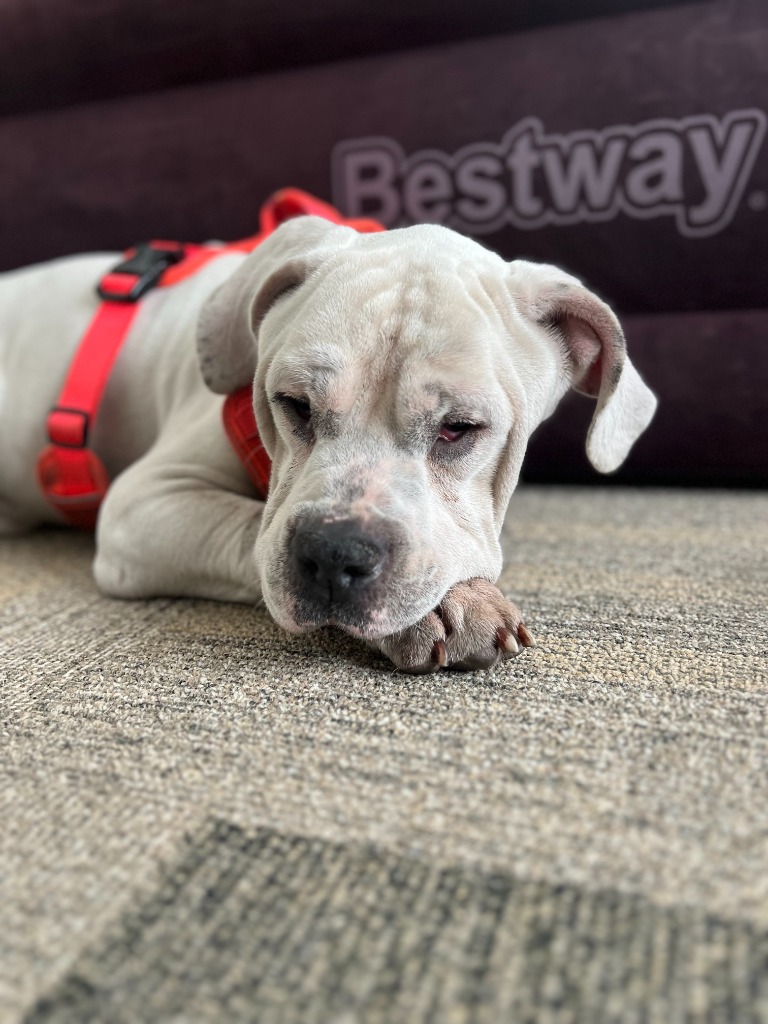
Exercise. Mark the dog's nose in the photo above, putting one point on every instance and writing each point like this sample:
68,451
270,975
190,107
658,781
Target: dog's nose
337,561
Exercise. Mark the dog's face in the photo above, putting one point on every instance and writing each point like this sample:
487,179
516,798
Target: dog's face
397,378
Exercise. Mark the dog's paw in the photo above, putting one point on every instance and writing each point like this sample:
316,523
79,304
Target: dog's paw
474,627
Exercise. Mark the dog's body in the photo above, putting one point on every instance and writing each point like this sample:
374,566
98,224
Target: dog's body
397,378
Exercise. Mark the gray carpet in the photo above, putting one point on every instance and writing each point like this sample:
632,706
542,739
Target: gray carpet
205,819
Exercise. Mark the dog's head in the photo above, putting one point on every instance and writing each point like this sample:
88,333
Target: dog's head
396,380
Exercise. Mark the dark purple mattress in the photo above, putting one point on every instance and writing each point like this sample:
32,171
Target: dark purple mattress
630,150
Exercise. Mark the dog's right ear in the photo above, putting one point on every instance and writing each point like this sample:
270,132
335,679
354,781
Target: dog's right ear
595,357
229,321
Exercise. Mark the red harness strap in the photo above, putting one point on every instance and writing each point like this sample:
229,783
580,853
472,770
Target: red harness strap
243,434
71,474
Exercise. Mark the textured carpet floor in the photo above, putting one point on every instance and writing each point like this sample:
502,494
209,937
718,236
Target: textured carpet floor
204,819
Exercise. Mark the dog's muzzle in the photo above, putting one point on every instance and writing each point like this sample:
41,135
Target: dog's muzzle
339,568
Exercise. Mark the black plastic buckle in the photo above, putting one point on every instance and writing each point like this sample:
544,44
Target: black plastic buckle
147,266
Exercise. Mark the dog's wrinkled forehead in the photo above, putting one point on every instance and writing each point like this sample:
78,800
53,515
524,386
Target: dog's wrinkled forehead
393,311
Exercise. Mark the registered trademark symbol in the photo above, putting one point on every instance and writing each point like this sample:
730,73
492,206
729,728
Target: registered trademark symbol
757,200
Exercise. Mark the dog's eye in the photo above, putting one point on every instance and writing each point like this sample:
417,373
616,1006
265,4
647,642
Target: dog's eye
300,406
454,431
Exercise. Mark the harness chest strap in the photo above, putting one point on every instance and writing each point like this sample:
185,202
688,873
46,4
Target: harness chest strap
243,434
71,474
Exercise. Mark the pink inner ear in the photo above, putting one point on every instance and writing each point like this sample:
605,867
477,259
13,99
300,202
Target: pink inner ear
586,352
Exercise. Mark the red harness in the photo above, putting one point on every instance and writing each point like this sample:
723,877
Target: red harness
71,475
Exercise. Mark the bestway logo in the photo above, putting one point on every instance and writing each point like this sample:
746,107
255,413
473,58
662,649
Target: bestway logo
694,169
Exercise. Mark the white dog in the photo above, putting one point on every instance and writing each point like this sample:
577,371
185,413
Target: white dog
396,380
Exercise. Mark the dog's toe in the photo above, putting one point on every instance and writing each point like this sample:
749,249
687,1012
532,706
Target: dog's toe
475,627
507,642
525,636
420,648
483,626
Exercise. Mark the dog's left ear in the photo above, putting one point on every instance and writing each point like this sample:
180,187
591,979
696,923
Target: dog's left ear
229,321
595,354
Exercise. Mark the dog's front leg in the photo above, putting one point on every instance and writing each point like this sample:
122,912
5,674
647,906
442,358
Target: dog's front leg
473,627
161,535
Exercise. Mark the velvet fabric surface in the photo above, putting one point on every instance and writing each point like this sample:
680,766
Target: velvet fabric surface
55,53
197,162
